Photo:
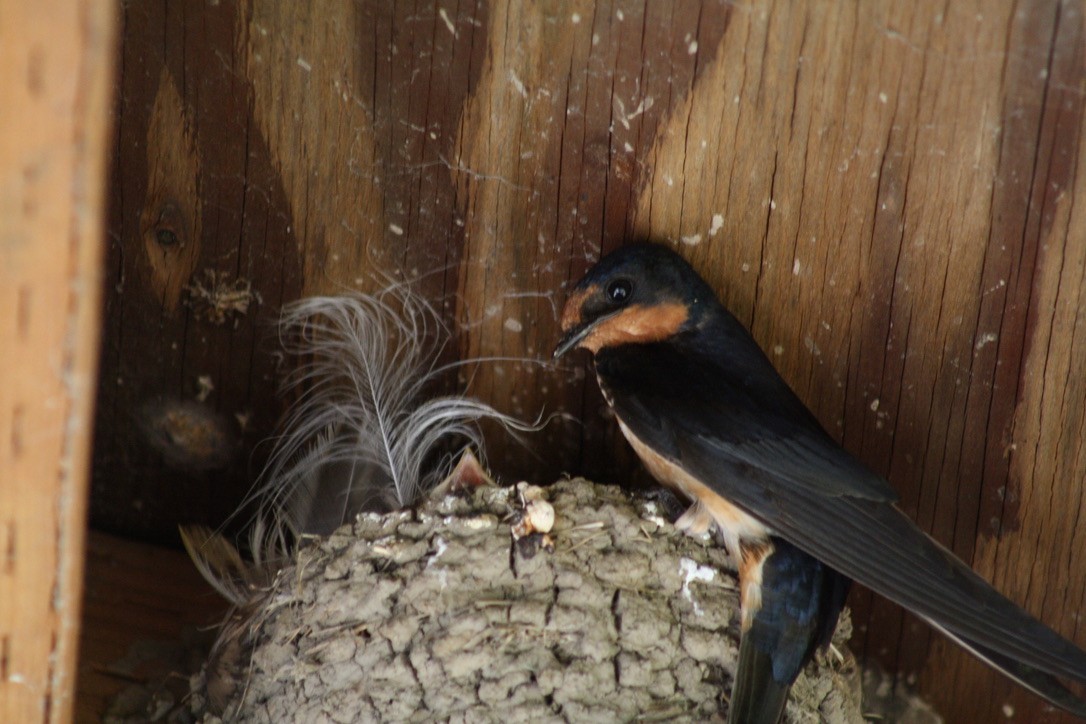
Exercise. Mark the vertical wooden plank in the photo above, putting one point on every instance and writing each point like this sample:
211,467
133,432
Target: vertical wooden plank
309,105
202,251
54,130
1030,357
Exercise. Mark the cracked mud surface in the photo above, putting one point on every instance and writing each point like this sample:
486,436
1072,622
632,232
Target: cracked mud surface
437,614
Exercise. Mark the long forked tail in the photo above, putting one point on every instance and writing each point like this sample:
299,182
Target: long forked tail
1037,681
791,602
757,696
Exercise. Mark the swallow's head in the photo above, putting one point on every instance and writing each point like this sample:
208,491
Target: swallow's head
638,294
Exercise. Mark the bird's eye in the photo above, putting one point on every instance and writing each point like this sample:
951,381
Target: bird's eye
619,291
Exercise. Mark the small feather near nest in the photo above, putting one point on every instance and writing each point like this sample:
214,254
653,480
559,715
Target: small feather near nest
364,435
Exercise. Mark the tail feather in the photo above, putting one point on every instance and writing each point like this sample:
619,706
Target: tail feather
757,696
791,614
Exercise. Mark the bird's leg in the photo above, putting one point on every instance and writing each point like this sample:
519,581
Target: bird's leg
695,521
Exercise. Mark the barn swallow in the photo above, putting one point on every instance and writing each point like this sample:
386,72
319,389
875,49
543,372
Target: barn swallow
709,416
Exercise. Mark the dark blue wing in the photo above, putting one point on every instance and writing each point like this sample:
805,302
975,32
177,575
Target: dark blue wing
740,430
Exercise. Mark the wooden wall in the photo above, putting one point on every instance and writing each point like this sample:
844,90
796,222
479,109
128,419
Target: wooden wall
885,192
57,60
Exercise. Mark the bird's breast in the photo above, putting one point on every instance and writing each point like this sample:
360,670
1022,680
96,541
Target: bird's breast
737,525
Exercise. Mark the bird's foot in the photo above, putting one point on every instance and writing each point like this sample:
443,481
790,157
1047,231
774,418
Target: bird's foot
695,521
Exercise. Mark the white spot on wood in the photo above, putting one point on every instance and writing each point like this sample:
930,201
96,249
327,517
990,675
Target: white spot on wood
396,229
883,98
448,22
716,225
874,405
575,18
624,118
692,48
797,267
778,349
620,15
303,64
513,325
692,240
986,339
205,386
517,83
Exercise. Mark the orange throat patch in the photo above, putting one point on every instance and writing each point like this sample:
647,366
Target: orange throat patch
637,324
571,313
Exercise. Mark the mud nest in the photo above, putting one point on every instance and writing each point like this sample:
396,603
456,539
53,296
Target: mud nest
439,614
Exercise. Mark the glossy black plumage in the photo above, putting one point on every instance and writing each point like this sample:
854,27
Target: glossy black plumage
705,397
801,600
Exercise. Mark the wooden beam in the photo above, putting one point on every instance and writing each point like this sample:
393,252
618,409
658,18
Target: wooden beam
57,57
888,194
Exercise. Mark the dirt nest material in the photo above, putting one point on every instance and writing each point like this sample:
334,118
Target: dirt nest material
438,614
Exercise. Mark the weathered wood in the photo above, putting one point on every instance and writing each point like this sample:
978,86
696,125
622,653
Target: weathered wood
54,129
882,191
203,250
142,605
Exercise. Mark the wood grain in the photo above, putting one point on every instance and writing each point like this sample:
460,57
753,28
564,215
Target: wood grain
884,192
190,314
170,224
307,103
143,606
54,130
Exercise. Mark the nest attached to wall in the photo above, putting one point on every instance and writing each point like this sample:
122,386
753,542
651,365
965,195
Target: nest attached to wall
443,613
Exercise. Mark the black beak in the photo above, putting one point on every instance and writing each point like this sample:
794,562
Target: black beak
571,339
